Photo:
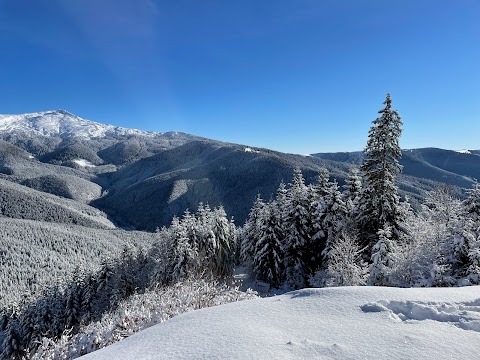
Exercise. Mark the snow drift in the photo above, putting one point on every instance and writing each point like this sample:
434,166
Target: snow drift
330,323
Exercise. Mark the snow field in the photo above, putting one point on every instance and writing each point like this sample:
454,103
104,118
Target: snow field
330,323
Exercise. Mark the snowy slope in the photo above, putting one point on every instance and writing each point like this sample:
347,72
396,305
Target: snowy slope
332,323
64,124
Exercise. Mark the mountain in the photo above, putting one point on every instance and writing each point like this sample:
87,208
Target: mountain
142,179
458,168
149,192
330,323
64,124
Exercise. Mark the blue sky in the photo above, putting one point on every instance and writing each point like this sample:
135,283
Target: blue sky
298,76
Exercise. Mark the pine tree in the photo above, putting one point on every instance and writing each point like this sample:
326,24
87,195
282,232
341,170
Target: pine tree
280,209
323,183
267,262
206,241
465,258
224,249
333,220
183,255
379,197
383,258
250,230
352,189
298,230
106,285
73,300
471,208
12,339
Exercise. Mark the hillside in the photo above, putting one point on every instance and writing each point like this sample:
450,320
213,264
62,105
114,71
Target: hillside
35,254
332,323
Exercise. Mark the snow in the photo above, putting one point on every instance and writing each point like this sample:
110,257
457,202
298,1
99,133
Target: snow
63,123
84,163
250,150
463,151
330,323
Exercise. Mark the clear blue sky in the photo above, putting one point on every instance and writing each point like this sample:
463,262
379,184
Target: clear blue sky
298,76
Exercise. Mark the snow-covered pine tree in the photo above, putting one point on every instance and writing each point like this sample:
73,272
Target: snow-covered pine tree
298,230
267,262
352,189
87,295
383,258
317,237
323,183
183,255
333,219
106,284
250,230
224,249
127,272
206,241
73,300
466,238
379,199
280,208
472,210
12,339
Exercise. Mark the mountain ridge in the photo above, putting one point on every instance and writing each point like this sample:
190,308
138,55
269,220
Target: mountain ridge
67,125
142,181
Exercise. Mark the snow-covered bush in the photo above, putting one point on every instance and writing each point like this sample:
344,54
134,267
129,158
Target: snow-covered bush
344,266
138,312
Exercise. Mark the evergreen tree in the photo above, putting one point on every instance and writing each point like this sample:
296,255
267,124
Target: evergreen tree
250,230
323,183
267,262
280,209
333,219
379,197
465,257
298,230
471,208
352,189
183,255
224,249
73,300
383,258
12,337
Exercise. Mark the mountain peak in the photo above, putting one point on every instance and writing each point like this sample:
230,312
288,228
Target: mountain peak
64,124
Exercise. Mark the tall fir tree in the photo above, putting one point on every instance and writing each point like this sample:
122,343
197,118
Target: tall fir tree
379,199
333,220
267,262
297,232
352,189
383,258
250,230
225,247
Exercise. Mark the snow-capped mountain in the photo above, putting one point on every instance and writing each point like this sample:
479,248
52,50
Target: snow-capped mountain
64,124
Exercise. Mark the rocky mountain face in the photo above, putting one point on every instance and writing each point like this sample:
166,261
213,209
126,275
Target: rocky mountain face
139,179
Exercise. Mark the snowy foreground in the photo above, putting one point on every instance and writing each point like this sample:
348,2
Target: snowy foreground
329,323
